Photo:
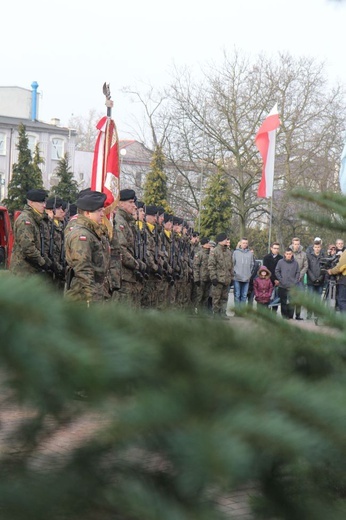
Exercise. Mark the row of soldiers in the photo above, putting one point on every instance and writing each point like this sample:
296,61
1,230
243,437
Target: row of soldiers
139,255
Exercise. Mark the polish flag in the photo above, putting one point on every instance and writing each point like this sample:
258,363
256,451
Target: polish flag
105,175
265,142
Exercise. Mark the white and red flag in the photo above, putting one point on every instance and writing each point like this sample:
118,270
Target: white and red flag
265,142
105,175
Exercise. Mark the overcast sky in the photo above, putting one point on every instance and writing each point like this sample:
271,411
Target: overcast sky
72,47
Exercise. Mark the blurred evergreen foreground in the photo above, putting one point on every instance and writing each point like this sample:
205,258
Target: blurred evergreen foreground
187,410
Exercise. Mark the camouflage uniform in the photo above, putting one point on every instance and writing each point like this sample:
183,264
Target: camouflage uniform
202,276
88,255
220,266
54,249
178,268
166,241
70,224
194,249
124,234
153,285
28,234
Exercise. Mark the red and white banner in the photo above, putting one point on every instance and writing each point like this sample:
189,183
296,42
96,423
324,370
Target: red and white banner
265,142
106,165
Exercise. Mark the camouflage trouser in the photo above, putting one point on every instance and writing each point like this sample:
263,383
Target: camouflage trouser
219,295
203,294
194,294
150,294
179,294
129,294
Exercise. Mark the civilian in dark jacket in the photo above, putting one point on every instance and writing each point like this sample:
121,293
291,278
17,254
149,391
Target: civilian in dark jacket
271,261
287,272
315,277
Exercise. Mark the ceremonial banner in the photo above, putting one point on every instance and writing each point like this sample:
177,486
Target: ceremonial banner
265,142
106,166
342,173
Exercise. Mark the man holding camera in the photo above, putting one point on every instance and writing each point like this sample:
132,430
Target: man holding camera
340,271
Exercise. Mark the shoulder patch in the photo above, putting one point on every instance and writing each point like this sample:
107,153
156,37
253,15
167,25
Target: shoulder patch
121,227
83,238
27,223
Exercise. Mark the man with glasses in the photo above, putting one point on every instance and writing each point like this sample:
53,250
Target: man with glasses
270,261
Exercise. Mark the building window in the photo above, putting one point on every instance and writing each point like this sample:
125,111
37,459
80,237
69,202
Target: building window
32,140
2,143
57,148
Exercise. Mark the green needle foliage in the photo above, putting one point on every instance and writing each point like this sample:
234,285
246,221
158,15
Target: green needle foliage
26,173
67,188
155,186
182,412
216,206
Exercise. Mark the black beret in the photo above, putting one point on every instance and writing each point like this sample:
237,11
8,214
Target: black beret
168,217
160,210
195,234
139,204
83,192
73,210
177,221
54,202
91,201
64,205
36,195
204,240
151,210
127,195
221,237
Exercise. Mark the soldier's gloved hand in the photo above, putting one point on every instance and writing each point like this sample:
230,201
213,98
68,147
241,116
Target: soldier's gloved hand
214,282
139,276
59,270
159,270
198,283
141,266
176,276
48,265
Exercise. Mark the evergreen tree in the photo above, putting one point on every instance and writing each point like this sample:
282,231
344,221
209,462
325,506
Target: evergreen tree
67,187
24,177
37,173
216,206
155,187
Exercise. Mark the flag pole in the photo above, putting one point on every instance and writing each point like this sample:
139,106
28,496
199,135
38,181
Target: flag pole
270,223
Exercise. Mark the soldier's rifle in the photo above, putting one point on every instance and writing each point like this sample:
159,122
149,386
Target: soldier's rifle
62,250
138,251
51,234
157,248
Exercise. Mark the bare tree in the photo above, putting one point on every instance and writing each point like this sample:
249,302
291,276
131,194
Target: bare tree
86,130
215,120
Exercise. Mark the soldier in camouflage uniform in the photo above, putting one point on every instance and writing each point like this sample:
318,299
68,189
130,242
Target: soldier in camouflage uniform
201,275
177,262
54,238
88,252
28,255
194,248
185,289
220,266
166,244
125,234
153,286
